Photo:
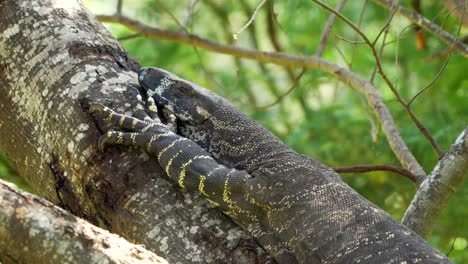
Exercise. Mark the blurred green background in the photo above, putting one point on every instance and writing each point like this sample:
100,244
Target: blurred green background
321,117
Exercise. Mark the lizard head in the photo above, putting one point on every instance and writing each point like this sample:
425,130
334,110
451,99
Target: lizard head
209,120
189,102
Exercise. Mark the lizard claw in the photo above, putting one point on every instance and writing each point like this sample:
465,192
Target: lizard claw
97,108
171,120
104,140
152,108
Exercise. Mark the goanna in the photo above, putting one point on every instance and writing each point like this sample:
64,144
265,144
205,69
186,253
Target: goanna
299,209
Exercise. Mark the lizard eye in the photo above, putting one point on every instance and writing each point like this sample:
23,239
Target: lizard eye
181,89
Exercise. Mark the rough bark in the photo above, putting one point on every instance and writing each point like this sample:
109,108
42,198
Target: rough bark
34,230
434,193
55,59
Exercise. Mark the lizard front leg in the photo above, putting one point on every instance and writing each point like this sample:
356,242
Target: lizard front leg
182,159
193,168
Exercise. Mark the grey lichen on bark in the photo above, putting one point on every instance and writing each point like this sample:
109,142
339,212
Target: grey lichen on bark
434,193
55,59
34,230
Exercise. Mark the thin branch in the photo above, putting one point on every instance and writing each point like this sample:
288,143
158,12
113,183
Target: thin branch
387,23
392,87
252,30
271,29
384,31
182,27
281,97
382,47
375,101
443,66
369,168
119,7
250,20
445,51
427,25
128,37
222,15
349,41
433,80
189,12
375,125
451,247
326,31
165,9
356,35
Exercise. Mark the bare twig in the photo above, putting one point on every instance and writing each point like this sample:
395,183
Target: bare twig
392,87
387,23
443,66
356,35
281,97
326,31
271,85
384,31
128,37
428,25
166,10
369,168
354,42
396,142
252,18
182,27
433,80
189,12
271,29
375,124
382,47
451,247
222,16
119,7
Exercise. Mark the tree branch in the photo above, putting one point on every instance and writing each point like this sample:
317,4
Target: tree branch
34,230
44,97
426,24
312,62
369,168
252,18
327,29
424,131
435,191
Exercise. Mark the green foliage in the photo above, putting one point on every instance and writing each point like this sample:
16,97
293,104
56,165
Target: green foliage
322,117
7,174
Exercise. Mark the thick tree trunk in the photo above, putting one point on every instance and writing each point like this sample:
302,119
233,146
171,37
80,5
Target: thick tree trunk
34,230
55,58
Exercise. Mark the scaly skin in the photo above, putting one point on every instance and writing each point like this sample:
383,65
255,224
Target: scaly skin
299,209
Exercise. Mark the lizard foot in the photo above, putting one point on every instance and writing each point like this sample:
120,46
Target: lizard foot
137,130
